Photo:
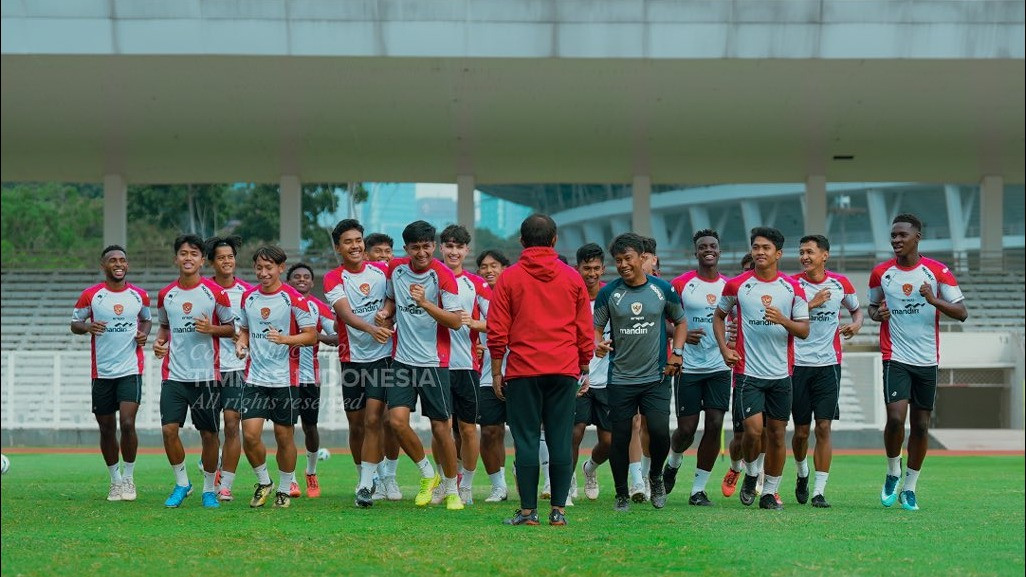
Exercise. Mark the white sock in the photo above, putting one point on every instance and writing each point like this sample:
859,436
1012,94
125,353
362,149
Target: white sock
675,459
359,470
285,480
459,466
263,477
646,466
129,470
634,469
426,470
771,485
468,479
821,480
590,467
894,466
382,469
701,478
911,476
543,458
208,481
227,478
181,477
737,466
449,485
752,469
115,474
761,461
311,463
367,475
391,465
803,467
497,479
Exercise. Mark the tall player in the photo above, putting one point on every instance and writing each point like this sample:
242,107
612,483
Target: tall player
195,314
491,409
116,316
816,382
274,319
771,310
221,252
907,295
300,277
705,383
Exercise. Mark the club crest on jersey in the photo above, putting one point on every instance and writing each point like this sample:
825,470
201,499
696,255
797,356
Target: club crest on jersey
907,289
767,300
265,312
186,308
118,309
365,289
636,308
710,298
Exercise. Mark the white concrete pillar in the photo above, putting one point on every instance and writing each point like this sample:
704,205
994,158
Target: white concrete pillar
815,205
290,214
956,226
619,225
699,218
660,235
641,211
880,223
750,215
593,233
115,210
465,202
992,196
570,239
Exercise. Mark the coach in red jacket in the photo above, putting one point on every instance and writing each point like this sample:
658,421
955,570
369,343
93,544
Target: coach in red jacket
540,314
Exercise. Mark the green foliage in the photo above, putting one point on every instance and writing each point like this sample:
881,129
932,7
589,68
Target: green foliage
46,224
485,239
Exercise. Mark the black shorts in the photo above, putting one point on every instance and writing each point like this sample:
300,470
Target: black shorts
362,381
737,417
917,385
197,398
108,394
431,384
815,390
772,397
626,401
309,402
593,409
491,409
697,392
279,404
230,391
466,395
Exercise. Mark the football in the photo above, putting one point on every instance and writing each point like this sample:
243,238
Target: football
322,455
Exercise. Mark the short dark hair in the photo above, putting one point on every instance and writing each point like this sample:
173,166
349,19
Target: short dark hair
296,266
649,244
537,230
375,238
494,254
342,227
910,219
590,251
705,232
625,242
563,259
215,242
820,240
771,234
112,248
455,233
272,253
419,231
747,261
189,239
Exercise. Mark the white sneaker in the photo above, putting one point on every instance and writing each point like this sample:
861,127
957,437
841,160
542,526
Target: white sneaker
392,492
437,495
759,482
128,489
573,486
379,491
546,490
466,495
114,494
569,501
499,494
591,486
637,492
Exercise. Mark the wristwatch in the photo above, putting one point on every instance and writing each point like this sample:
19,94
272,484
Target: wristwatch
679,352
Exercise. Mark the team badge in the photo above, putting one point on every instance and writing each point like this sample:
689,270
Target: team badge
186,308
767,300
907,289
365,289
265,312
710,298
636,308
118,309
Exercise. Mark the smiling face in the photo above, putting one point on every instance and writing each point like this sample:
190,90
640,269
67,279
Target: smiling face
268,274
301,279
592,271
114,266
707,251
380,253
189,259
453,254
630,265
224,261
904,239
766,254
812,258
350,247
490,270
420,253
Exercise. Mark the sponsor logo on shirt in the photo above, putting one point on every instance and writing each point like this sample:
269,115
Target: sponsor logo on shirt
411,309
910,309
637,329
706,319
822,316
118,309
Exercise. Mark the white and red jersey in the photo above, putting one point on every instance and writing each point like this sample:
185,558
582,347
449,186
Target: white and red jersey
229,360
912,334
598,368
822,347
114,353
192,356
285,310
365,290
422,342
699,297
309,367
474,296
766,349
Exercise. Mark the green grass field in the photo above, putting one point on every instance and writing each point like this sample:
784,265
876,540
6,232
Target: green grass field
56,522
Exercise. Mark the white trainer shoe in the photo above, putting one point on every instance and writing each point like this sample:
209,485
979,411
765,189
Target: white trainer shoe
466,495
499,494
392,492
114,494
128,489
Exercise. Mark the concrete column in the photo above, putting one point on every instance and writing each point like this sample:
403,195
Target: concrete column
290,214
570,239
815,205
992,195
880,222
699,218
115,210
619,225
751,215
641,213
956,226
660,235
465,202
593,233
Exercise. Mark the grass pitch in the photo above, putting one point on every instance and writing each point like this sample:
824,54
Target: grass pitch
55,521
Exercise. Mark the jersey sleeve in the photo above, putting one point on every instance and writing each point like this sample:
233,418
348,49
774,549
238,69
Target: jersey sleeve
334,288
947,286
674,308
876,294
327,319
301,312
600,316
83,307
484,296
243,317
161,312
448,290
851,302
223,308
144,312
728,298
799,304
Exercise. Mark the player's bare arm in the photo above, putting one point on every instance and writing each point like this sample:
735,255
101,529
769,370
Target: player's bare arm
450,320
956,311
730,356
160,346
206,327
880,312
143,334
95,328
603,346
797,328
242,344
381,334
851,329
